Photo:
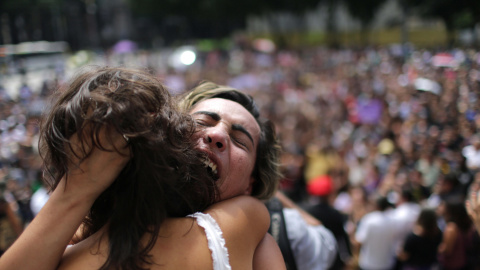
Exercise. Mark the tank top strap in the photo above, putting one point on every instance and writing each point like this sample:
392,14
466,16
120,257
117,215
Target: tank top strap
216,242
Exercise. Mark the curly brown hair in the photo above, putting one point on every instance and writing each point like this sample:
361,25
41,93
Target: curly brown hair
165,176
267,166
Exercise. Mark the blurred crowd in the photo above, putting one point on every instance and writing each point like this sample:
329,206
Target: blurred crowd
386,127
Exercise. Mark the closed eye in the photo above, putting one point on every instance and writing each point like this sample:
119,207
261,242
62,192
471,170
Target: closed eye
203,118
241,140
243,132
201,123
236,140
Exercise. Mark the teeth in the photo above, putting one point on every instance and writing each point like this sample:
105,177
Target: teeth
211,165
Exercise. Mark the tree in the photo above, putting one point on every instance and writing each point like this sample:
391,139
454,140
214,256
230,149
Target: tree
32,20
455,14
365,12
196,18
213,18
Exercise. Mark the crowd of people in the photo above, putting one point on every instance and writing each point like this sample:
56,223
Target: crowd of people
386,138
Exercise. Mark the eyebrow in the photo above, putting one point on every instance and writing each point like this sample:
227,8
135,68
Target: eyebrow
237,127
213,115
240,128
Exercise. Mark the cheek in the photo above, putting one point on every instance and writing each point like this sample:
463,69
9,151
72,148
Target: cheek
244,163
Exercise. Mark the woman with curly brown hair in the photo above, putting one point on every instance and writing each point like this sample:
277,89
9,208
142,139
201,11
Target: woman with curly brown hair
117,149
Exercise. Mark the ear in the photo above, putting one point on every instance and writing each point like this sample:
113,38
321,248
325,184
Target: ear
248,190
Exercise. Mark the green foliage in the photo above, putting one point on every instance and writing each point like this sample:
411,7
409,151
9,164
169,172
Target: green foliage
214,16
454,13
464,19
364,10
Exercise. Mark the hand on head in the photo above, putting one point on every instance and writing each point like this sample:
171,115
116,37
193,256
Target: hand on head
97,167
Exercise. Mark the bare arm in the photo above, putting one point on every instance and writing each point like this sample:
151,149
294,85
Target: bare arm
403,255
43,242
473,208
268,255
244,222
286,202
449,237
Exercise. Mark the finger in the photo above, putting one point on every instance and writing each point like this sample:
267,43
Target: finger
76,151
473,204
110,139
473,201
80,145
477,198
468,206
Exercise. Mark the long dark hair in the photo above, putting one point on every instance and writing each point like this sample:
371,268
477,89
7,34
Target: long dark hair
165,176
427,219
456,212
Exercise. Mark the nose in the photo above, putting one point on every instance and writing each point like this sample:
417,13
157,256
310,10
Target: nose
216,138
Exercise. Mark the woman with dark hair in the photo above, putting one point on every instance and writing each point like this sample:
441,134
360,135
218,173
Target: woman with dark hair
115,142
420,248
457,243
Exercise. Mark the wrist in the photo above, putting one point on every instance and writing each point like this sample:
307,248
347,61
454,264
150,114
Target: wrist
72,196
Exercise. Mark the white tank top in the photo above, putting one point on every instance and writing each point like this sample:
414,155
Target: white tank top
216,242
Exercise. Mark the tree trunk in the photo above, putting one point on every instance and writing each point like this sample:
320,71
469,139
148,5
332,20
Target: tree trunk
405,14
332,35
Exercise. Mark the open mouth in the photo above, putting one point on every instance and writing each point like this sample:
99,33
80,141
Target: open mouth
211,168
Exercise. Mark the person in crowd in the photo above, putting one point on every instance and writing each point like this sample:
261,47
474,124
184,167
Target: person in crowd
405,214
420,247
321,189
118,150
38,200
447,186
308,245
21,194
317,95
429,167
419,191
40,194
358,205
376,235
471,153
457,241
306,241
10,225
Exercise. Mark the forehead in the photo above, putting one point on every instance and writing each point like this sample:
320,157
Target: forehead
231,112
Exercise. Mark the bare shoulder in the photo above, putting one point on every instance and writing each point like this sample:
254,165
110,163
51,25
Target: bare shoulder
180,245
268,255
88,254
244,221
451,227
241,211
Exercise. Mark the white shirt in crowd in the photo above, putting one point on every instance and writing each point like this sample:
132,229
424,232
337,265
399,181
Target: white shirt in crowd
376,232
313,247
